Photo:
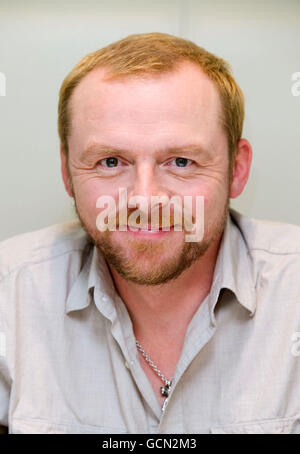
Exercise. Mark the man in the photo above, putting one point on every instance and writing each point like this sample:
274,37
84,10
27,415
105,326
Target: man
139,330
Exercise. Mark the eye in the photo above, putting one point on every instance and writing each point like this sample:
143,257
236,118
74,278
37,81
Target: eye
109,162
181,162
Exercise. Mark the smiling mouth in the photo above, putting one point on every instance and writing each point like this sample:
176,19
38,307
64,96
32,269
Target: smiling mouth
149,230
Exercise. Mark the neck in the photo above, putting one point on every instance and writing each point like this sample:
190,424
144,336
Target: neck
158,311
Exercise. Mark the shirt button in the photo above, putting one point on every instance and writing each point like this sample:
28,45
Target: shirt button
127,365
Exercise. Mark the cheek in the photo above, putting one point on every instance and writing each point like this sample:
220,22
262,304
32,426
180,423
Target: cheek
87,194
215,197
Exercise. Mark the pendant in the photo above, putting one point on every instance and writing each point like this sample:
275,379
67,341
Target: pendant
164,405
166,389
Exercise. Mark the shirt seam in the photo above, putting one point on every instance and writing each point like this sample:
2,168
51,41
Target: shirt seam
66,424
253,422
36,262
273,252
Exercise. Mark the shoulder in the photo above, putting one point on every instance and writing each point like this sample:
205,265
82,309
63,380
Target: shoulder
275,238
40,245
273,250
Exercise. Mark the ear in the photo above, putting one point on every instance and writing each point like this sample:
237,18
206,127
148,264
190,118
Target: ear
65,172
241,168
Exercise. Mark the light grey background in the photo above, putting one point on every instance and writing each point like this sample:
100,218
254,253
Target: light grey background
41,41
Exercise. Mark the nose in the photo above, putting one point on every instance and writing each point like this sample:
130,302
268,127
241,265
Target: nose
147,182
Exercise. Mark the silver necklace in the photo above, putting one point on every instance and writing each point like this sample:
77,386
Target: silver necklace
165,390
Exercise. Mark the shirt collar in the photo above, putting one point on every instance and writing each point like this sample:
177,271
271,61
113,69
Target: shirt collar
233,269
94,276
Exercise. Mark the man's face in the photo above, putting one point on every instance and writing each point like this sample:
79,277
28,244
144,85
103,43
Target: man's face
157,135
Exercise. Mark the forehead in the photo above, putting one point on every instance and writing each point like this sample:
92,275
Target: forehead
184,99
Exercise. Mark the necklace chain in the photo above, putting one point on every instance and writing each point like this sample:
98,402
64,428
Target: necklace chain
165,390
151,363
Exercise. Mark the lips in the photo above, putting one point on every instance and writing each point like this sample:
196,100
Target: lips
148,229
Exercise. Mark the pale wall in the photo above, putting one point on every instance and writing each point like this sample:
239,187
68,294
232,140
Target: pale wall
41,41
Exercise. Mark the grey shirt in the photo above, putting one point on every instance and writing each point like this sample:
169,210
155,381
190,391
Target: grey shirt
68,359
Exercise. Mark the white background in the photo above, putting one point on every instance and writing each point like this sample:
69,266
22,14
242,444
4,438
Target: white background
40,41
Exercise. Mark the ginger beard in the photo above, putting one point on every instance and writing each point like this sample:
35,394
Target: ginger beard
148,261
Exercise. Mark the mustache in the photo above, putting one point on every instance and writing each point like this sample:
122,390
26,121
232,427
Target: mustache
146,221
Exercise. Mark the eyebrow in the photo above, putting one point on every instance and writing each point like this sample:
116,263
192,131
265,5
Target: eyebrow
94,149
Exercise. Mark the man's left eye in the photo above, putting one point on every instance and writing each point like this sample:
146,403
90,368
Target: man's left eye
181,162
